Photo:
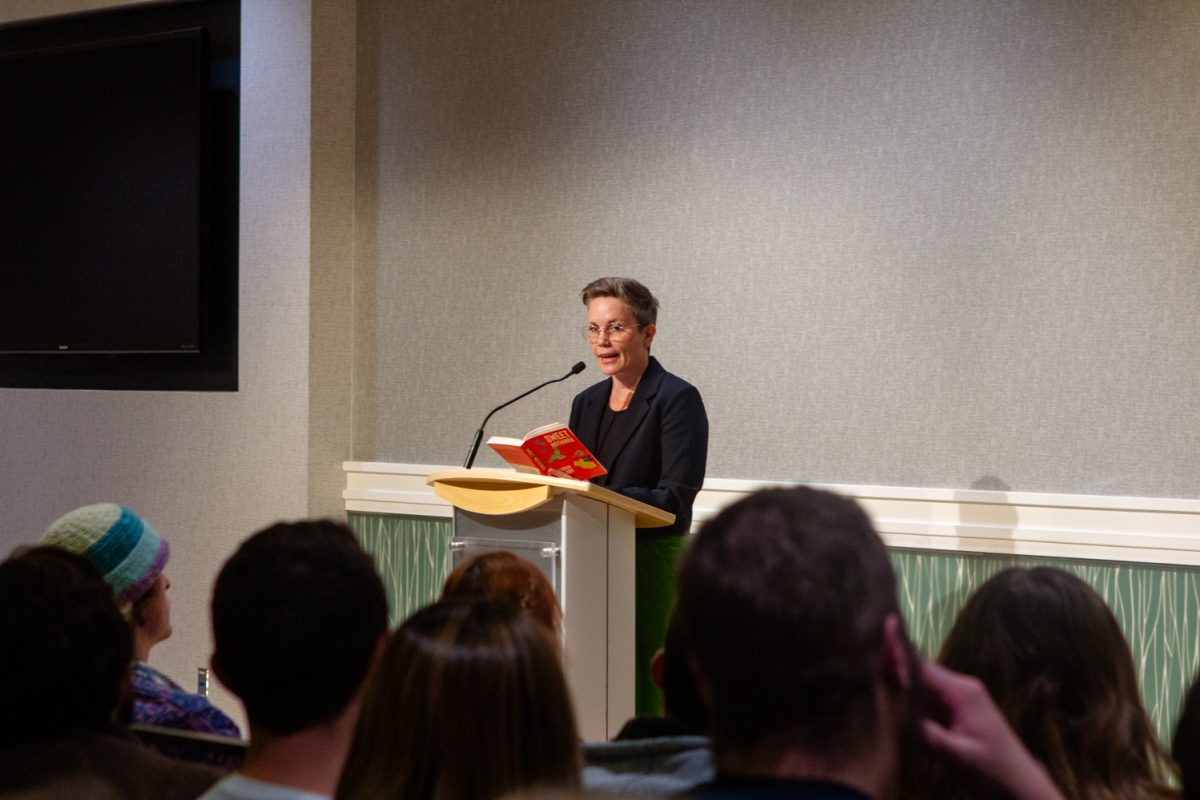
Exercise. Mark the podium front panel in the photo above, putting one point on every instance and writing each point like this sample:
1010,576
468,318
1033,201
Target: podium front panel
593,577
521,534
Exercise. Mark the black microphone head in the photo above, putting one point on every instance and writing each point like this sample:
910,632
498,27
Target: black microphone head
578,368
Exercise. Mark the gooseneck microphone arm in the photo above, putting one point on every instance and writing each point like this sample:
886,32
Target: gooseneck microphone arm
575,370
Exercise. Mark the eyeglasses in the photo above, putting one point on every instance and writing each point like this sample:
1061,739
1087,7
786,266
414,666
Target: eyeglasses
613,331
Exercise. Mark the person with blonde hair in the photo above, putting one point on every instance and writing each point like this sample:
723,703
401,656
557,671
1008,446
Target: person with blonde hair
467,702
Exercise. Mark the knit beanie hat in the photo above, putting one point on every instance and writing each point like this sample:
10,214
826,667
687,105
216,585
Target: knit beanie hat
128,552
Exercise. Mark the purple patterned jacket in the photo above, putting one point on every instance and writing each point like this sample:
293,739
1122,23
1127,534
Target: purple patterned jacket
158,700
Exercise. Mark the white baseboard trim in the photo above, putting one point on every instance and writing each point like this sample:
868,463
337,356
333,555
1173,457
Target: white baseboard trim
1128,529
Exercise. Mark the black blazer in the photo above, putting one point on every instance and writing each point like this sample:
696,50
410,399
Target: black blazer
662,459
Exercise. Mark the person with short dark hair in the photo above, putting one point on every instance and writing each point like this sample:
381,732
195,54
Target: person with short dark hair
63,677
468,702
649,429
298,614
788,601
1054,659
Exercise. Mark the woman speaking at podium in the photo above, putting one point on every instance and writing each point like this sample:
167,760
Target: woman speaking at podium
649,430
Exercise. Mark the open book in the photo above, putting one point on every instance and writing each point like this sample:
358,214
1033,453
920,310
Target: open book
546,448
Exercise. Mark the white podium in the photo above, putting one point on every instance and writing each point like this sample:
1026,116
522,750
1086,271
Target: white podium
587,533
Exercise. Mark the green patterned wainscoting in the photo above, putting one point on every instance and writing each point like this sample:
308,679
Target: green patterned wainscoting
410,553
1158,607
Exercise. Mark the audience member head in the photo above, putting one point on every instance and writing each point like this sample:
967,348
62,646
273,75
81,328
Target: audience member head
788,602
297,614
1054,659
501,575
1185,746
127,551
468,702
67,649
131,556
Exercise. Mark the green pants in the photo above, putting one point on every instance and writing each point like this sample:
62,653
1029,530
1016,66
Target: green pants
657,560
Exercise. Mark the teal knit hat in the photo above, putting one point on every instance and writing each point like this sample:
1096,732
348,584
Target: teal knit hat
128,552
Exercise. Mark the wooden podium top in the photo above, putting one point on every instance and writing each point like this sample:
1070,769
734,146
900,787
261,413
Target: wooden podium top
498,491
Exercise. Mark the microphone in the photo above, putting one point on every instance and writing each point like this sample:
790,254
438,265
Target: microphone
575,370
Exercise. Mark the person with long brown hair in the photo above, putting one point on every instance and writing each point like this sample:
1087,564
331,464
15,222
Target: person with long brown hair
467,702
1053,657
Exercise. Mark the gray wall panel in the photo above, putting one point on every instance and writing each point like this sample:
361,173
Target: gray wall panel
929,243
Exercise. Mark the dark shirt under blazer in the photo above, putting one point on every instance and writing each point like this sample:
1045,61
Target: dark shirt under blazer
661,460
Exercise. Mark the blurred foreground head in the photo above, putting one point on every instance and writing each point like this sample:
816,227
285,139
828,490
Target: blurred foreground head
785,599
66,647
297,614
467,702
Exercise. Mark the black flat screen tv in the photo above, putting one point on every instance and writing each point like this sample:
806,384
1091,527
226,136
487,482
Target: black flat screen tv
118,199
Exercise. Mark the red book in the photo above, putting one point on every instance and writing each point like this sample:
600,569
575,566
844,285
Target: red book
546,448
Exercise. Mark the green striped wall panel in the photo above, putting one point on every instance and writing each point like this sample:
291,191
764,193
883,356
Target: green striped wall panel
410,553
1158,607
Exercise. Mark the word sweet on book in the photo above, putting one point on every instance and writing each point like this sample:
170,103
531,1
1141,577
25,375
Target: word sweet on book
550,447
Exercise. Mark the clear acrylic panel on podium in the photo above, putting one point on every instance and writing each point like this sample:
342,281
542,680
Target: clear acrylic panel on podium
544,555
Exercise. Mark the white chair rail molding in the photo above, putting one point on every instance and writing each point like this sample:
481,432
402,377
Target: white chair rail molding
1138,530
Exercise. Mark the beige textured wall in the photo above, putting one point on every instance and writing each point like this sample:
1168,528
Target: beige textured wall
206,469
930,243
331,280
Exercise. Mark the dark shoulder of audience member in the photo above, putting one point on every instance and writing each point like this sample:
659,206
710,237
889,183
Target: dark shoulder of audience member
297,613
65,671
683,708
1185,746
